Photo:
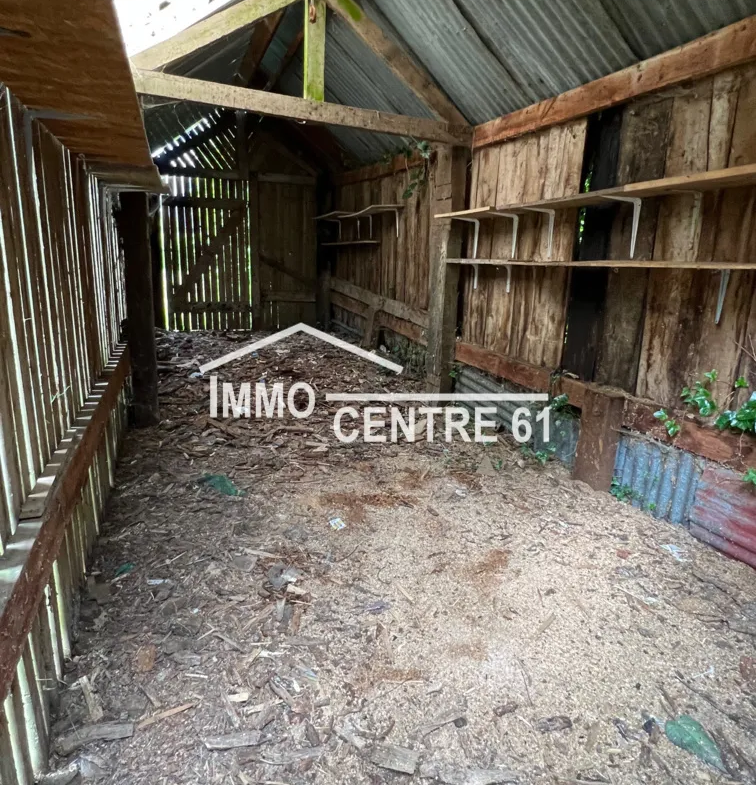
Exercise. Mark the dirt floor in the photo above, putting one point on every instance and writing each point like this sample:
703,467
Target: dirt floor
471,625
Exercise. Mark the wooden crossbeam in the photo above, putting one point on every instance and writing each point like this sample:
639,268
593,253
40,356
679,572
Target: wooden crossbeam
313,74
207,31
412,74
179,88
726,48
209,255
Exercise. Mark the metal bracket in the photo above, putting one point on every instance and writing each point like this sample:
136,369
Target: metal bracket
637,203
515,229
396,218
552,221
723,283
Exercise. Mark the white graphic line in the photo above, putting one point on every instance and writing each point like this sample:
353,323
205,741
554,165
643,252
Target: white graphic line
299,328
433,398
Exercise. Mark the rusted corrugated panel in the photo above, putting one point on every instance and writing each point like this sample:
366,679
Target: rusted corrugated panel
724,513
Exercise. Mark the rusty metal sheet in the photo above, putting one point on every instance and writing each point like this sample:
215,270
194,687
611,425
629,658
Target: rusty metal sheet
724,514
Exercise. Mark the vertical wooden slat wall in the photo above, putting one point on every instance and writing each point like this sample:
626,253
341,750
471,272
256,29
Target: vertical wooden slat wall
60,316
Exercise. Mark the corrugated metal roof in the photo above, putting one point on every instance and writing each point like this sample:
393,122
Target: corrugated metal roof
491,57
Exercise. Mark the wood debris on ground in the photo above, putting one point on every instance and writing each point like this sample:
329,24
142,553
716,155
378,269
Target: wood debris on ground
466,625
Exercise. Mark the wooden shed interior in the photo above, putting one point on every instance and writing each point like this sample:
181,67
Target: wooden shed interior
583,229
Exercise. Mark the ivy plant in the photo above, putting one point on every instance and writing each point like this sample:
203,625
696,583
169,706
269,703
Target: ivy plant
672,426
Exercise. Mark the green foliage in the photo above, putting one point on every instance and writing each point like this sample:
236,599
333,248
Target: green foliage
750,477
419,175
560,403
741,383
700,396
672,426
623,493
742,419
541,457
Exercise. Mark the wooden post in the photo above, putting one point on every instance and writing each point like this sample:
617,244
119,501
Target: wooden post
323,193
448,181
134,228
313,77
600,426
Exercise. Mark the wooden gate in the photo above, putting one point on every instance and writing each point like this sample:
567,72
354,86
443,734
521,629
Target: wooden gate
207,259
238,241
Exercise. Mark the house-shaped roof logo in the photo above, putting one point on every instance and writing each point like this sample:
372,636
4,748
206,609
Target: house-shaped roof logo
300,328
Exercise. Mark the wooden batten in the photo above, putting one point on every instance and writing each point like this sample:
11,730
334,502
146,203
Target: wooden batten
181,88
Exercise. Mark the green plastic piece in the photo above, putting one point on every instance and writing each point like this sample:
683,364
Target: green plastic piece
221,483
689,735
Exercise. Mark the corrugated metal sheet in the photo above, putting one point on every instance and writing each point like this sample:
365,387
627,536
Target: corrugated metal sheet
564,430
659,479
490,56
724,513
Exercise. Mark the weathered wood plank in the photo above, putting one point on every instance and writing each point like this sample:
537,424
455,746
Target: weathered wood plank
726,48
313,74
447,189
181,88
600,426
207,31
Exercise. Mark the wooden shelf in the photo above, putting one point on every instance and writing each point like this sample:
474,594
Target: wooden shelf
734,177
649,263
344,243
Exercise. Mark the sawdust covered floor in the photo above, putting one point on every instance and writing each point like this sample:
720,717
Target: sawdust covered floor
514,627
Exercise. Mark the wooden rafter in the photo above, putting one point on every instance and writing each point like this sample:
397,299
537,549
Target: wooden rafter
726,48
313,73
412,74
262,36
207,31
182,89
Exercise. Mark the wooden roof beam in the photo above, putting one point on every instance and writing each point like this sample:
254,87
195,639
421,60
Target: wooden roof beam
207,31
412,74
179,88
727,48
313,72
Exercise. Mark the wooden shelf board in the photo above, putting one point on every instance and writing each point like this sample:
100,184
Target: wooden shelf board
641,263
343,243
734,177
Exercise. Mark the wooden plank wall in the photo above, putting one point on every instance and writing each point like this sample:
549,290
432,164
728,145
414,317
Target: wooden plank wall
288,240
711,126
261,270
657,329
59,335
527,323
397,268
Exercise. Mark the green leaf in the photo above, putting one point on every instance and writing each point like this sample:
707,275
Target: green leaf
750,476
741,382
672,428
661,415
689,735
712,376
